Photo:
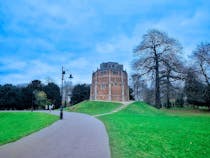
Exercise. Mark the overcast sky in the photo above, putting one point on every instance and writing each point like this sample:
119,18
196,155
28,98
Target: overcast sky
37,37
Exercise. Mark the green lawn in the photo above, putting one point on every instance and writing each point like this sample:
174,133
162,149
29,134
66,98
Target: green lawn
143,131
14,125
93,107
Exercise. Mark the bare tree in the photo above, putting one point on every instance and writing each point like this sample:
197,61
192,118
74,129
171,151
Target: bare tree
172,70
202,62
202,57
138,87
150,52
194,88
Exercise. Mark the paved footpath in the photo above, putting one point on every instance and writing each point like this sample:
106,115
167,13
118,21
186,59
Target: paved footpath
76,136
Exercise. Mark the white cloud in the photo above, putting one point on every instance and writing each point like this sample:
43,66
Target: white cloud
78,63
79,34
11,64
105,48
118,49
42,69
50,15
118,44
178,26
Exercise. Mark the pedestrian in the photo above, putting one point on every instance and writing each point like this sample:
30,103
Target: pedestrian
50,106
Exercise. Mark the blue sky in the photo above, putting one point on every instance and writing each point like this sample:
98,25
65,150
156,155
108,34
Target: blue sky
37,37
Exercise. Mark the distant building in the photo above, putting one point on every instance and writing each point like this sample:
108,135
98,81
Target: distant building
110,83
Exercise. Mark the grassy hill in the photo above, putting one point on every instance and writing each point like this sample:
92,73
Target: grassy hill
14,125
143,131
93,107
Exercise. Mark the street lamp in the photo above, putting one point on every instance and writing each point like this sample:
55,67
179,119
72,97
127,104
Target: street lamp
63,72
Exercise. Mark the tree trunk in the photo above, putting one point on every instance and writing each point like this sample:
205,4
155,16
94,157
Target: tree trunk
167,91
204,74
157,83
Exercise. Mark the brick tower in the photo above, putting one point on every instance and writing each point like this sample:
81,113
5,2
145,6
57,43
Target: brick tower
110,83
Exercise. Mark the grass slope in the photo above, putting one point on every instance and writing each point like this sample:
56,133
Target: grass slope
14,125
94,107
142,131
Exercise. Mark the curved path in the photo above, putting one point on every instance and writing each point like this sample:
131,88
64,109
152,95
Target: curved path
124,105
76,136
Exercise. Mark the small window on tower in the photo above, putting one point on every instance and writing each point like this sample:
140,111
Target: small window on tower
115,72
103,86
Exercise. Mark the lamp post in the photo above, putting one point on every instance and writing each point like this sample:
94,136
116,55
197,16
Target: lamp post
63,72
